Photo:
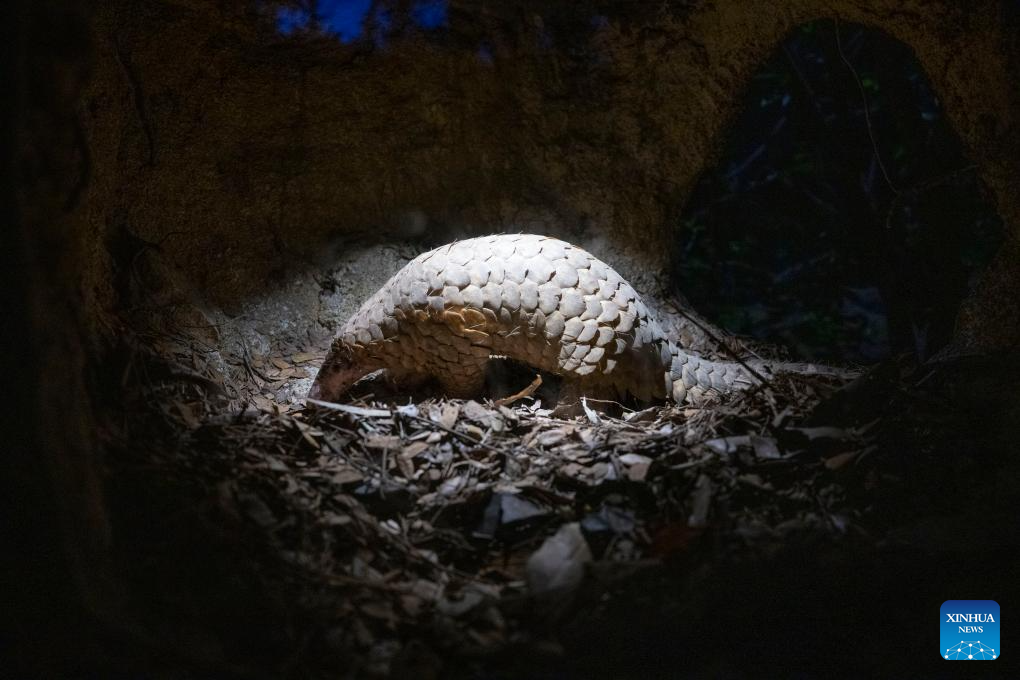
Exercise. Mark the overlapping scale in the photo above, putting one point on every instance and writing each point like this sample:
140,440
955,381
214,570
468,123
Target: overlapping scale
532,298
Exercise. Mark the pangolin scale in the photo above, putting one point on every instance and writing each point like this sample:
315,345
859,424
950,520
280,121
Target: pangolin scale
535,299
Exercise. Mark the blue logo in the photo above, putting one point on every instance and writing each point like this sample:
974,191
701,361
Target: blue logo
969,630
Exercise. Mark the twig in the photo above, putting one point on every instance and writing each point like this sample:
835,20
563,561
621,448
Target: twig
923,187
726,348
610,401
246,359
691,464
526,392
352,410
867,113
444,428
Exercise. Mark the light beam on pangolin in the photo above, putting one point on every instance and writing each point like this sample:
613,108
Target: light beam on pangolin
535,299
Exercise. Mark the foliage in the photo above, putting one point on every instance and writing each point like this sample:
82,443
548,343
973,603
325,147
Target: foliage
842,219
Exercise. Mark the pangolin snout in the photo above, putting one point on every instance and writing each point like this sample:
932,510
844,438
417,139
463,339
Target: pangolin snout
334,379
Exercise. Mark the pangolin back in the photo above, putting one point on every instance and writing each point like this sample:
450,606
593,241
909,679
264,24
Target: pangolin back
535,299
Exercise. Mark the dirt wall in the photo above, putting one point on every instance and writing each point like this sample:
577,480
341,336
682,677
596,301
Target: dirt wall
243,159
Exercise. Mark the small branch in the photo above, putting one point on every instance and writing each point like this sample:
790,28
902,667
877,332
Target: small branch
444,428
526,392
726,348
359,411
867,113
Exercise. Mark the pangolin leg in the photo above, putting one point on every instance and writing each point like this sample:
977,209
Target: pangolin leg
406,380
464,379
571,391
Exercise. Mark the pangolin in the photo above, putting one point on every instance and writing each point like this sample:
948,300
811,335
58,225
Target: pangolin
535,299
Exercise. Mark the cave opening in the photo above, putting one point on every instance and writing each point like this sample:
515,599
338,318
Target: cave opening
843,219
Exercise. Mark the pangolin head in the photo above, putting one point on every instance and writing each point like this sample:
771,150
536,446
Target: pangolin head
339,372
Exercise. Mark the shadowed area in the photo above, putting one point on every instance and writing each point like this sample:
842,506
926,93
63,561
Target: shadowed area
843,221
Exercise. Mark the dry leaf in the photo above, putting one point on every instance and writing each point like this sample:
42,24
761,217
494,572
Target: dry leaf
593,417
765,448
637,472
634,459
476,432
840,459
701,502
559,564
552,437
347,475
264,404
728,445
187,414
406,467
413,449
637,466
448,415
383,442
452,486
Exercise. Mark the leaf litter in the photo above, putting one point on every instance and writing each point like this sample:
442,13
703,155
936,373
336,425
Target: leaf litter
420,528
